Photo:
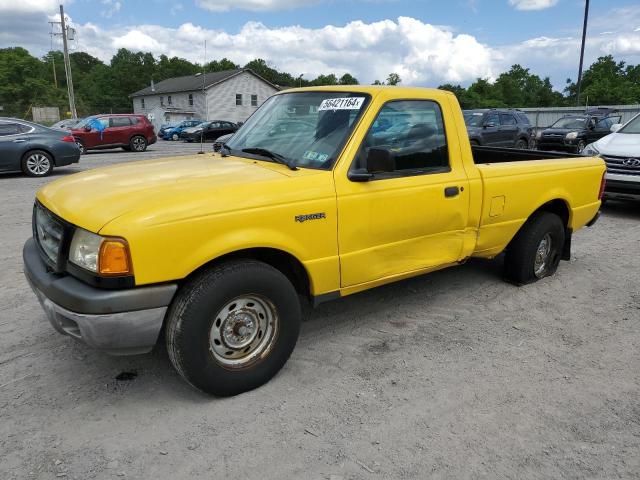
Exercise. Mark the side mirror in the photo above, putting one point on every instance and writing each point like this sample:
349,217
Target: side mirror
379,160
87,128
615,127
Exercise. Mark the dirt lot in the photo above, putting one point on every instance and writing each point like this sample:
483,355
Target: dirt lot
453,375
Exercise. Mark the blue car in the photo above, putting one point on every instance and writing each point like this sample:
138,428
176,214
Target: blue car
173,133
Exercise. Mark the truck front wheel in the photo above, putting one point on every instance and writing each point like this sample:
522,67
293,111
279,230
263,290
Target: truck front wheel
233,326
535,251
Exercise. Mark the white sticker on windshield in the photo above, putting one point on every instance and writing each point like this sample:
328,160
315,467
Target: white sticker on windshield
349,103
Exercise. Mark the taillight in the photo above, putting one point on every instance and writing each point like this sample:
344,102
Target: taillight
603,183
68,138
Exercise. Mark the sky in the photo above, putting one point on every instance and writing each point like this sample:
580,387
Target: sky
427,42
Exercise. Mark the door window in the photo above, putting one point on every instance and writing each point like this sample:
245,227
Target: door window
9,129
413,132
492,118
119,122
604,124
507,119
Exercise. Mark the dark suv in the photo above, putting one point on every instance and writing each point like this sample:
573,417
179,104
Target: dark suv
130,132
498,128
574,132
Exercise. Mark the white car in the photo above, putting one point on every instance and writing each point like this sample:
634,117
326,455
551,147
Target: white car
621,152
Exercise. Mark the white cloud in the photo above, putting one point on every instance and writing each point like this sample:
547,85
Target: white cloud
532,4
112,7
254,5
420,52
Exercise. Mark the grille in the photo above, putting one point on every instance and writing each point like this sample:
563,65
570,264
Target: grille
48,233
616,164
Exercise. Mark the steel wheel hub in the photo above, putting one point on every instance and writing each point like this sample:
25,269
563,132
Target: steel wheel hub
542,256
243,331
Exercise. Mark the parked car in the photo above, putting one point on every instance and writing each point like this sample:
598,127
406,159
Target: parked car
574,132
498,128
621,152
34,149
67,124
173,133
216,254
164,128
219,142
208,131
129,132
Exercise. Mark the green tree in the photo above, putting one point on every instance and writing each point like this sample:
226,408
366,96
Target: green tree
348,79
393,79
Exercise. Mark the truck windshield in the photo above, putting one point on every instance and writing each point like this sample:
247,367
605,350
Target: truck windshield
570,122
307,129
632,127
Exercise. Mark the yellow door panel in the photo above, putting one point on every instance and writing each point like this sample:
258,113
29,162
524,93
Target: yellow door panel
389,227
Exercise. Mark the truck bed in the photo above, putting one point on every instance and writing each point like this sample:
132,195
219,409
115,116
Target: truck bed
500,154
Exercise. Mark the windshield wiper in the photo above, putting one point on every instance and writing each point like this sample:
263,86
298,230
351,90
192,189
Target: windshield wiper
276,157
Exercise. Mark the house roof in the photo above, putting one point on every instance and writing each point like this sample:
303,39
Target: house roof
193,82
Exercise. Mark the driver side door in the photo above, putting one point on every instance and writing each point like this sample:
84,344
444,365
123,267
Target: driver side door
408,219
491,134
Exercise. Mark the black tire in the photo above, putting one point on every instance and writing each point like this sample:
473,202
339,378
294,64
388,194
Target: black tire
520,260
175,137
522,144
580,147
81,147
195,316
37,163
138,144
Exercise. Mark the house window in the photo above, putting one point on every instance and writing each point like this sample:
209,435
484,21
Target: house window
162,101
169,99
238,99
191,99
254,100
142,103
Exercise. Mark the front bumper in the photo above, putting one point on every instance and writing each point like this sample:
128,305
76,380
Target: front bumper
118,322
622,187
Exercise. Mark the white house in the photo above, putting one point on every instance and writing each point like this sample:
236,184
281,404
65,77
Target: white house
230,95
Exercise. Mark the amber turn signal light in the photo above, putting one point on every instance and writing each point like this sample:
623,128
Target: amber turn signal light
114,258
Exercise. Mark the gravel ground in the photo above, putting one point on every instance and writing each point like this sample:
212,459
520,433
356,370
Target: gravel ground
453,375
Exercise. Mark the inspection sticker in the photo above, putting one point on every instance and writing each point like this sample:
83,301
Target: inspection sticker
348,103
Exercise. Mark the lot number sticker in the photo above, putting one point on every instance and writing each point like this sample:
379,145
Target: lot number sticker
350,103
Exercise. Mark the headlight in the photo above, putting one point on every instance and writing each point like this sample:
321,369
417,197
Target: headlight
572,135
101,255
591,150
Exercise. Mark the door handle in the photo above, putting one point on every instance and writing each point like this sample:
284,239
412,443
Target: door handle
451,191
20,140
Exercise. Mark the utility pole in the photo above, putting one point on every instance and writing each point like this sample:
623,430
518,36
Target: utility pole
67,66
584,36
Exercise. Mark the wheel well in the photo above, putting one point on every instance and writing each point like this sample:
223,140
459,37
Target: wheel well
559,207
53,157
286,263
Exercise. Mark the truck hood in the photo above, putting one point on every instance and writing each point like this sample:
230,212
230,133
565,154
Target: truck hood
157,188
619,144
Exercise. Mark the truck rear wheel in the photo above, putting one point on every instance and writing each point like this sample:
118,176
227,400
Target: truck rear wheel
232,327
535,251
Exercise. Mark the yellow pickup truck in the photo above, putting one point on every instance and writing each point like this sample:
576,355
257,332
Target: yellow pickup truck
322,193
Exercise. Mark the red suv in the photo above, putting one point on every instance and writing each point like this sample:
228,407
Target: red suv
130,132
